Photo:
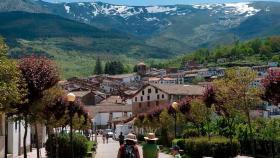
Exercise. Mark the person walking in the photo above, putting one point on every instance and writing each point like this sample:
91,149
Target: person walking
150,148
121,139
129,149
176,151
103,137
107,137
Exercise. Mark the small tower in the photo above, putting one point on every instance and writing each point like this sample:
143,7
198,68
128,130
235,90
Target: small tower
141,69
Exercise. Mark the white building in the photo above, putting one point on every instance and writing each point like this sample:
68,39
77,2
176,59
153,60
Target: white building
2,135
15,138
109,109
125,78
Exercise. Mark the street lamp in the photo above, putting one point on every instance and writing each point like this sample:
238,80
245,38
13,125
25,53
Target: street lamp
71,99
175,106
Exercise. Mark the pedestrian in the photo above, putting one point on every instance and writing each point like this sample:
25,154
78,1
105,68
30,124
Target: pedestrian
150,148
129,149
121,139
176,151
103,137
107,137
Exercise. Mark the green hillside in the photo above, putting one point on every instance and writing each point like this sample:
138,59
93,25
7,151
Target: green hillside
252,52
75,36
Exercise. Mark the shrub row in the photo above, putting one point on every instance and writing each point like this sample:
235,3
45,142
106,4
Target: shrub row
60,145
218,147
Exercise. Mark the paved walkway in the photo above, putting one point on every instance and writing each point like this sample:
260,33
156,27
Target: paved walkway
110,150
33,154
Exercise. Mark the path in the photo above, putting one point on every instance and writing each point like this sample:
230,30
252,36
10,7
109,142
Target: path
33,154
110,150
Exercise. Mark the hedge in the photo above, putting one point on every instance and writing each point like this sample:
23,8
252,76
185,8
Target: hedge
60,145
218,147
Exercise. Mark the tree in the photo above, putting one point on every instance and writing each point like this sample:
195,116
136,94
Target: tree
40,74
272,87
98,67
233,100
10,90
114,67
201,115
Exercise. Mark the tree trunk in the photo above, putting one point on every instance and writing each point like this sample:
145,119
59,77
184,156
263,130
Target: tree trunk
24,138
37,140
250,129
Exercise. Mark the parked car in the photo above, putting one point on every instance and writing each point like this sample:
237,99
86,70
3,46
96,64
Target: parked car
110,132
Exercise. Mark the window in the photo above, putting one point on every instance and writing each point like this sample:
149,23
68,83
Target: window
156,90
135,98
143,92
149,90
149,104
157,103
162,96
140,105
148,97
141,98
158,96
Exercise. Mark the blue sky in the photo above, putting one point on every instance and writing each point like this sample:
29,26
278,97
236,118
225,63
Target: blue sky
155,2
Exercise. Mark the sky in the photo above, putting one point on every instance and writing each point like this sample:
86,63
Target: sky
156,2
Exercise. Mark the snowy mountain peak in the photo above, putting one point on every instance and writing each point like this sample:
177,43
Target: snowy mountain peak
241,8
105,9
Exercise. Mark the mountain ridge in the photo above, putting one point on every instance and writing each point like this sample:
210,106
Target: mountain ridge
175,28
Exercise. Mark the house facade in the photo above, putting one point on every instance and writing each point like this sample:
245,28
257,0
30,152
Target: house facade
153,95
147,98
110,108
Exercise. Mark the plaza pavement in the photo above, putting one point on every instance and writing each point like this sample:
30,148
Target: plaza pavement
110,150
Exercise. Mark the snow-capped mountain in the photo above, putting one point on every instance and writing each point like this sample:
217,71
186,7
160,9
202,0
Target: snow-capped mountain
177,28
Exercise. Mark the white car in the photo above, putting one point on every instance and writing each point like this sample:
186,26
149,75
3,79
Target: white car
110,133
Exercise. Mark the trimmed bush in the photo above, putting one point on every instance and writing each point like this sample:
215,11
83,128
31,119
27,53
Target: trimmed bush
60,145
218,147
179,142
187,133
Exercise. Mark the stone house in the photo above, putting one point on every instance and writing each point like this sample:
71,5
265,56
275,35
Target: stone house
89,97
153,95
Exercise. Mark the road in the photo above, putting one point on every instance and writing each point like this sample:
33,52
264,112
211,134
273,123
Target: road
110,150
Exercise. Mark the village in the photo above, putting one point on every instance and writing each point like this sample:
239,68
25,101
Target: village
113,100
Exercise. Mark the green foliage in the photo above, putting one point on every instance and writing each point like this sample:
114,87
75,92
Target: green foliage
114,67
180,142
261,50
91,145
98,67
10,80
190,132
61,144
217,147
268,129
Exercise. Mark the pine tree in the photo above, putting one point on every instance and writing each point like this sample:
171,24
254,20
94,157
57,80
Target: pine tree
106,69
98,67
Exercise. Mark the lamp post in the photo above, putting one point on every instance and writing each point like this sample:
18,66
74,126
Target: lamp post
71,99
175,106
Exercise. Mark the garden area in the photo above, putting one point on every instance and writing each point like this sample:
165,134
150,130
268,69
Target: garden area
222,122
